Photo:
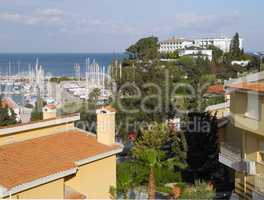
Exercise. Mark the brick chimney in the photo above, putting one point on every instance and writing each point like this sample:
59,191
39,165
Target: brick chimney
106,125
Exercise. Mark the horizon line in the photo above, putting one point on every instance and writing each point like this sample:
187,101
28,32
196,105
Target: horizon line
62,52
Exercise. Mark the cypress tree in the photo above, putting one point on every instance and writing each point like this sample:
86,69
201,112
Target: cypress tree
235,47
37,113
202,140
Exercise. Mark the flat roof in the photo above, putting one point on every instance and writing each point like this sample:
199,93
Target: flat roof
24,162
20,127
218,106
256,87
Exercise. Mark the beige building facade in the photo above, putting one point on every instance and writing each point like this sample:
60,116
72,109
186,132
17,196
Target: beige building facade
242,140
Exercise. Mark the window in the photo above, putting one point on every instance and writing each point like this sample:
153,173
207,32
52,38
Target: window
261,151
253,106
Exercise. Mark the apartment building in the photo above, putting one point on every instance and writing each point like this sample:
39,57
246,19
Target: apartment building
174,44
222,43
51,159
242,140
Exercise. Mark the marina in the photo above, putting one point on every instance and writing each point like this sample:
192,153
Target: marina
18,79
25,86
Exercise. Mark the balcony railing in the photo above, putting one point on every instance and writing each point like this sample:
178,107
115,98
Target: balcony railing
231,150
230,155
259,183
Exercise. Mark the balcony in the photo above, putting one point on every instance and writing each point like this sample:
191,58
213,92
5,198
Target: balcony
258,192
248,124
230,155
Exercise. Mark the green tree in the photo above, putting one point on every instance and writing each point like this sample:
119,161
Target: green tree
155,97
150,155
202,140
170,55
7,115
125,178
94,95
37,113
235,47
87,116
200,77
199,191
145,49
217,53
151,159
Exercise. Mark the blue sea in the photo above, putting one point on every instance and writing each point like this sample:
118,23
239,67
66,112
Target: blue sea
55,64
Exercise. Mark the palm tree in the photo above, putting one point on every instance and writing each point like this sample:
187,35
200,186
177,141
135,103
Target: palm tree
124,178
150,159
150,155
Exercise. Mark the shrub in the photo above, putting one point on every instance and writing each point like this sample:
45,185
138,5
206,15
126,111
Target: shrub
198,191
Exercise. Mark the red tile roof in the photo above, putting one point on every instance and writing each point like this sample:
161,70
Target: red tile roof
257,87
51,106
37,158
216,89
108,108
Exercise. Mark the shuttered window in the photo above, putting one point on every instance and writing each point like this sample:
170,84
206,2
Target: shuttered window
253,106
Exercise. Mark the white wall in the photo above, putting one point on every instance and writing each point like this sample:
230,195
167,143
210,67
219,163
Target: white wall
206,53
171,47
222,43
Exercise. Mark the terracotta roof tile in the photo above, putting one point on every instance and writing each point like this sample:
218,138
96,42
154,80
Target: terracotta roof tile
216,89
36,158
257,87
108,108
51,106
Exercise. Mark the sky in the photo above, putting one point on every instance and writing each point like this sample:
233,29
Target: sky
113,25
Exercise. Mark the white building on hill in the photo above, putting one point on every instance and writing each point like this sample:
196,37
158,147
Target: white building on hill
197,52
222,43
174,44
